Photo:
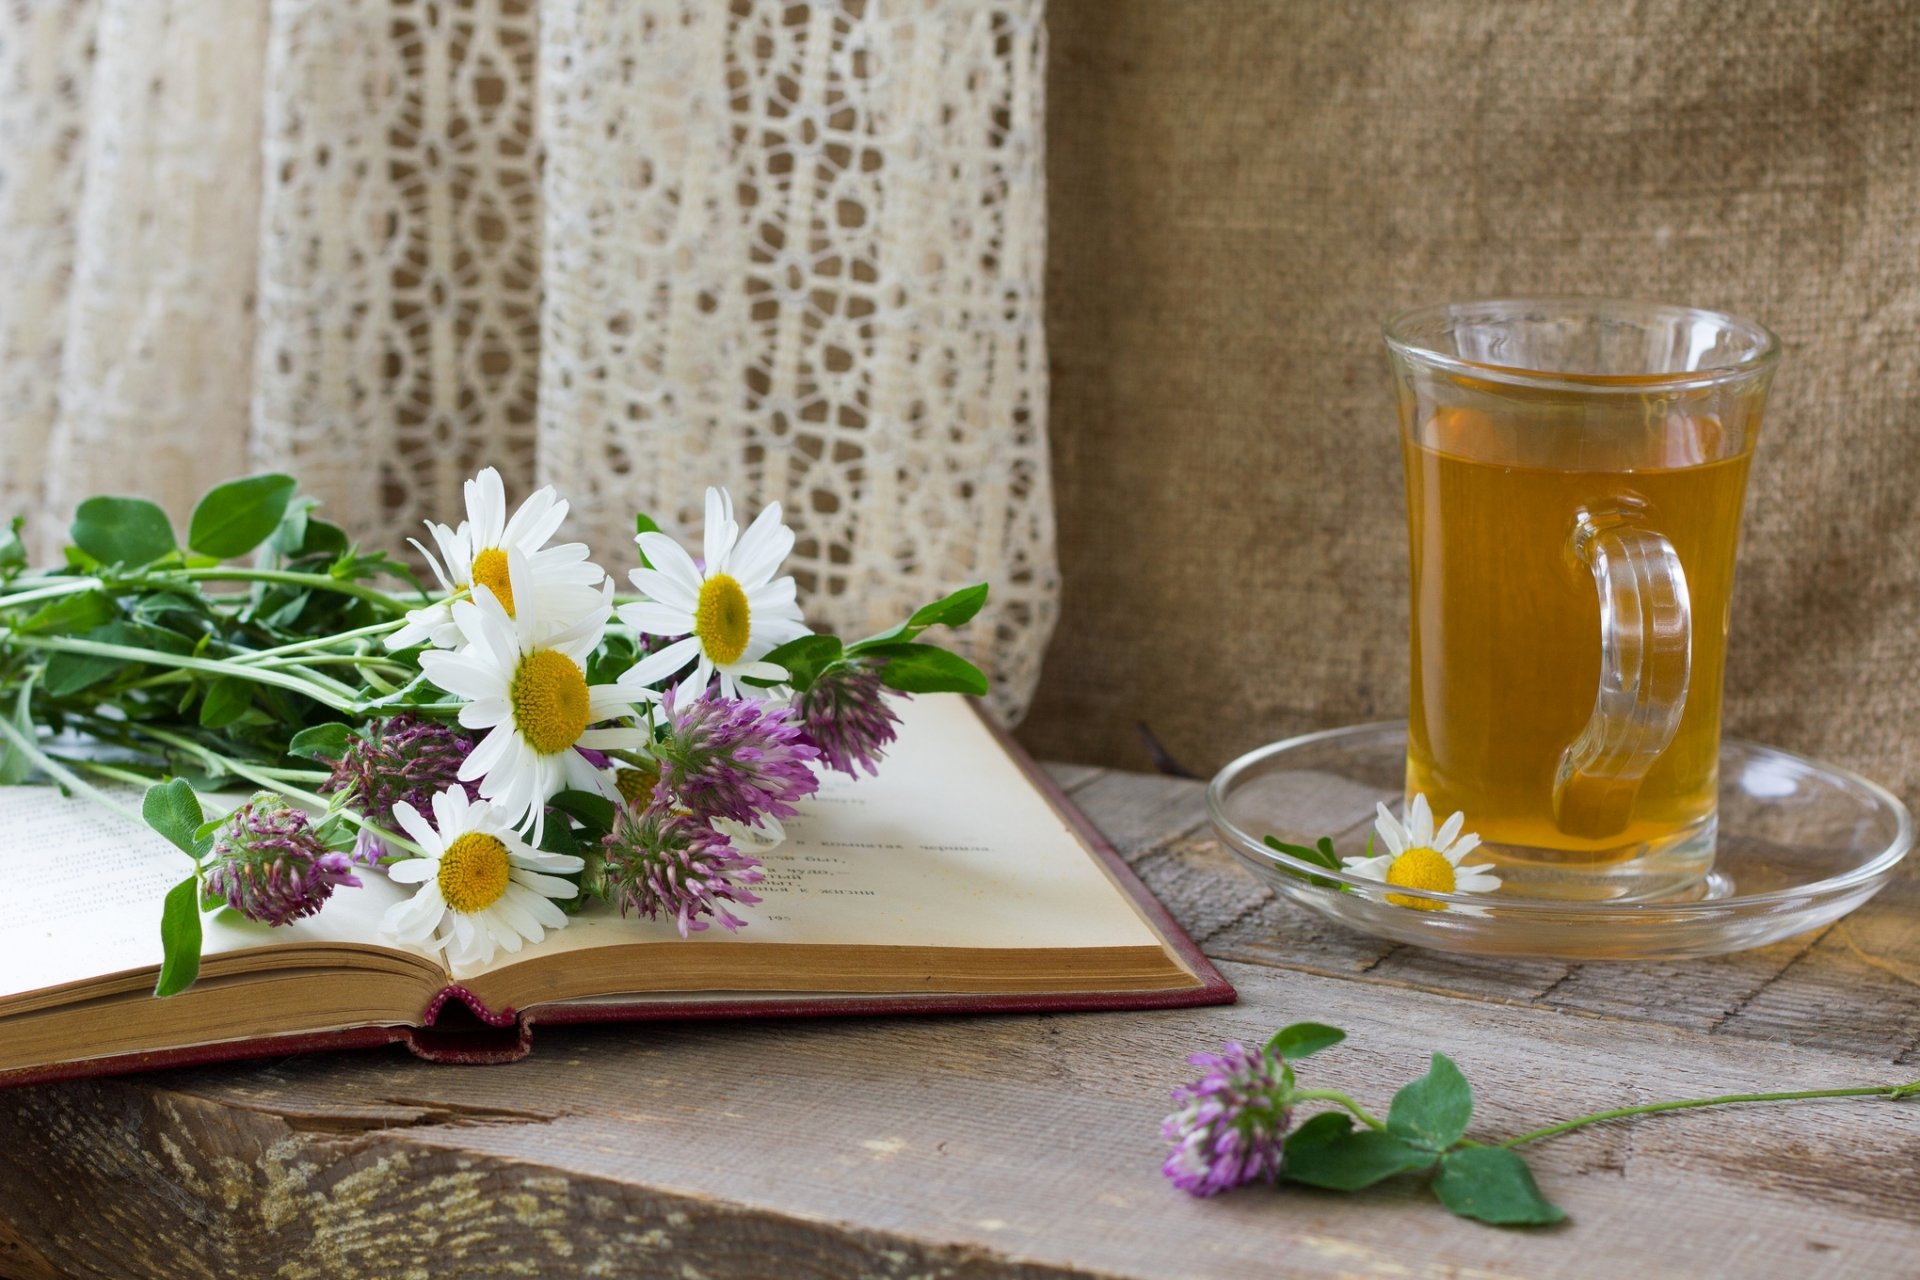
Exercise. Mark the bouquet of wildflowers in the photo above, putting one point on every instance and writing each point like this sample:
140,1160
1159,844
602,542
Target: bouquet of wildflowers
515,743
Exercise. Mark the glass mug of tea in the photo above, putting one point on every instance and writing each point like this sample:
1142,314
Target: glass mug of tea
1575,472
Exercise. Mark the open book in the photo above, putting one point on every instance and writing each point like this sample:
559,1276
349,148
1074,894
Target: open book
959,879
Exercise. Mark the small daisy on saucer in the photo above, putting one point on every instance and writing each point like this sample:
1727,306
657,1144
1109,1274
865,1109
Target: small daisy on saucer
524,681
476,555
731,610
1418,857
481,887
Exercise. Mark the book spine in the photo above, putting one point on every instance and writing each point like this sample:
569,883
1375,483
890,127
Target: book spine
457,1027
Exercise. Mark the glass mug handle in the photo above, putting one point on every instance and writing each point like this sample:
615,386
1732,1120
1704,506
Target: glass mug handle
1646,662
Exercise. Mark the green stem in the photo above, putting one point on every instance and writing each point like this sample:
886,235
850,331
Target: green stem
275,780
1360,1113
216,666
288,578
305,661
54,769
106,770
323,642
67,587
1892,1092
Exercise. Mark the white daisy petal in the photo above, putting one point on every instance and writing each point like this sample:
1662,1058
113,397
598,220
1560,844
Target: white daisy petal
671,560
417,828
460,675
656,667
551,886
538,519
540,860
416,918
1448,830
1392,834
718,534
664,589
761,548
413,870
653,619
1419,823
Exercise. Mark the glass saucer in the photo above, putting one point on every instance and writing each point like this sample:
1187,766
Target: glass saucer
1801,844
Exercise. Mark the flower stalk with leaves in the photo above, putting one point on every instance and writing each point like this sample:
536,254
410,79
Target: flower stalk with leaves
265,652
1232,1128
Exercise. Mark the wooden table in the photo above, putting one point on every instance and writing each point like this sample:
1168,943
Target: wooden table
1027,1146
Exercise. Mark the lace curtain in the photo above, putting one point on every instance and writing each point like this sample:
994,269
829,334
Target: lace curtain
629,247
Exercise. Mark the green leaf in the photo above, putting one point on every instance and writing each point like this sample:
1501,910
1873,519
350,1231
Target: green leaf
590,808
1493,1184
1328,1126
1313,856
1433,1111
1348,1161
13,550
805,658
122,530
179,937
321,742
644,523
948,611
951,611
227,700
16,764
239,515
925,669
1304,1038
172,809
69,673
70,615
291,533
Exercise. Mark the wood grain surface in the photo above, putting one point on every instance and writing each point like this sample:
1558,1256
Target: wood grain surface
1020,1145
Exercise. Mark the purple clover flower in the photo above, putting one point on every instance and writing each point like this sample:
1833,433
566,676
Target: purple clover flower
404,757
1230,1125
735,758
660,860
845,714
270,865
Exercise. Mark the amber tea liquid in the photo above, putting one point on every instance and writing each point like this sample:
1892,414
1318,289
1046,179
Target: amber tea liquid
1506,619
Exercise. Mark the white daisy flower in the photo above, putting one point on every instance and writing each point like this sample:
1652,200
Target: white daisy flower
524,678
1418,857
731,610
475,555
481,887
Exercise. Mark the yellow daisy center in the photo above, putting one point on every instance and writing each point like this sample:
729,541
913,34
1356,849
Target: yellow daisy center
721,619
490,571
473,872
550,700
636,786
1420,868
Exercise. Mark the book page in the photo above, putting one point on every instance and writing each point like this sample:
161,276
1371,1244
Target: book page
950,846
81,889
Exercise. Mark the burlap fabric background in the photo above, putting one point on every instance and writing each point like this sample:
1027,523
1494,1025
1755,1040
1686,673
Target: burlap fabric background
1242,191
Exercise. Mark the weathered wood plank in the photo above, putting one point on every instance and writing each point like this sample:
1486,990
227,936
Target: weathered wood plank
1141,811
1021,1146
1003,1146
1072,777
